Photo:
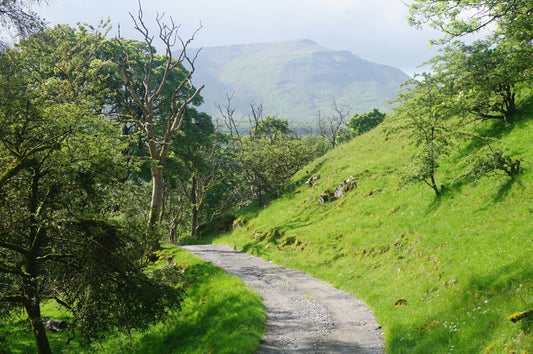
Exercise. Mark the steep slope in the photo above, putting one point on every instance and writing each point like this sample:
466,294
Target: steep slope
441,274
293,79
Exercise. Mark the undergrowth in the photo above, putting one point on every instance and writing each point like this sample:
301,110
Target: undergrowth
219,314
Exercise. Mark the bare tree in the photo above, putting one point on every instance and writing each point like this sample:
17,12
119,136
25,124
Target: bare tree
330,125
227,112
150,95
16,15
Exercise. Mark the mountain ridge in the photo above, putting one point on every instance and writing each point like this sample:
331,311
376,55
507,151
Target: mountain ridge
293,79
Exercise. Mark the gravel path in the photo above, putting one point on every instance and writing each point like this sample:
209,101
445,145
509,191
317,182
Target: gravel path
305,315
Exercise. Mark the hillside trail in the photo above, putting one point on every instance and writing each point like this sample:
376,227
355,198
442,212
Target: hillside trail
305,315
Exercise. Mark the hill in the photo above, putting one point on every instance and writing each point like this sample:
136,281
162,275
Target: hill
442,274
293,79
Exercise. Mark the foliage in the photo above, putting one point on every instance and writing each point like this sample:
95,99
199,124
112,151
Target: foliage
484,77
458,17
194,171
260,163
361,123
60,161
492,163
428,122
218,312
471,82
15,13
270,156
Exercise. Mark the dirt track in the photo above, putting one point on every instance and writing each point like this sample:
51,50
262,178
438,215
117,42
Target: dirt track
305,315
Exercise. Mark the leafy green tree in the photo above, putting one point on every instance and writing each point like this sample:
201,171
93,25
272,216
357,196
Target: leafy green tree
429,122
456,18
486,77
481,80
489,73
272,155
361,123
58,163
195,168
271,127
259,164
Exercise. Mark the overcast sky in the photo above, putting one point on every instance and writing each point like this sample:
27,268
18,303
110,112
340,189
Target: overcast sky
375,30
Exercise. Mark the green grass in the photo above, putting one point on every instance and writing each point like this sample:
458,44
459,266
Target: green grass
462,261
219,314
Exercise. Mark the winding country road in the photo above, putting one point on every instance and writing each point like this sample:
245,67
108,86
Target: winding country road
305,315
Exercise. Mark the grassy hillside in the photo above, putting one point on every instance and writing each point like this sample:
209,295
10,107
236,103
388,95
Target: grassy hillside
462,262
293,79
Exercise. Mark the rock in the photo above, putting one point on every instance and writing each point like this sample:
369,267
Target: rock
325,197
53,325
400,303
312,180
340,191
344,187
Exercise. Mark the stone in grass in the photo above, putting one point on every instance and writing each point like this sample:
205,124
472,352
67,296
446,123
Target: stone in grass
400,303
53,325
325,197
312,180
346,186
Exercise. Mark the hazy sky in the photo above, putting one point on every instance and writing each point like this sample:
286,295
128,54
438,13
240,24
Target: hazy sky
375,30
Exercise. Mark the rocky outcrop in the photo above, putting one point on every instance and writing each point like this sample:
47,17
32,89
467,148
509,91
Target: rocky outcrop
346,186
325,196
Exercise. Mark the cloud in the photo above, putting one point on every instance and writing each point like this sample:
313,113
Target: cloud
374,29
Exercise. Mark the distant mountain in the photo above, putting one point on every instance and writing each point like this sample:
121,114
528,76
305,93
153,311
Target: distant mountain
293,79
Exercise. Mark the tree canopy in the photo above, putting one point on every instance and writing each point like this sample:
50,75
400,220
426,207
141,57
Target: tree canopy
59,163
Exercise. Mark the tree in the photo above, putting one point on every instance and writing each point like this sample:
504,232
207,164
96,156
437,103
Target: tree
59,161
456,18
361,123
272,154
486,76
426,119
329,126
161,90
195,169
15,13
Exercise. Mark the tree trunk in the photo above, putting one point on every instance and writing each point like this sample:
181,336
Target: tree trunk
434,185
156,204
175,222
194,202
32,302
34,315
